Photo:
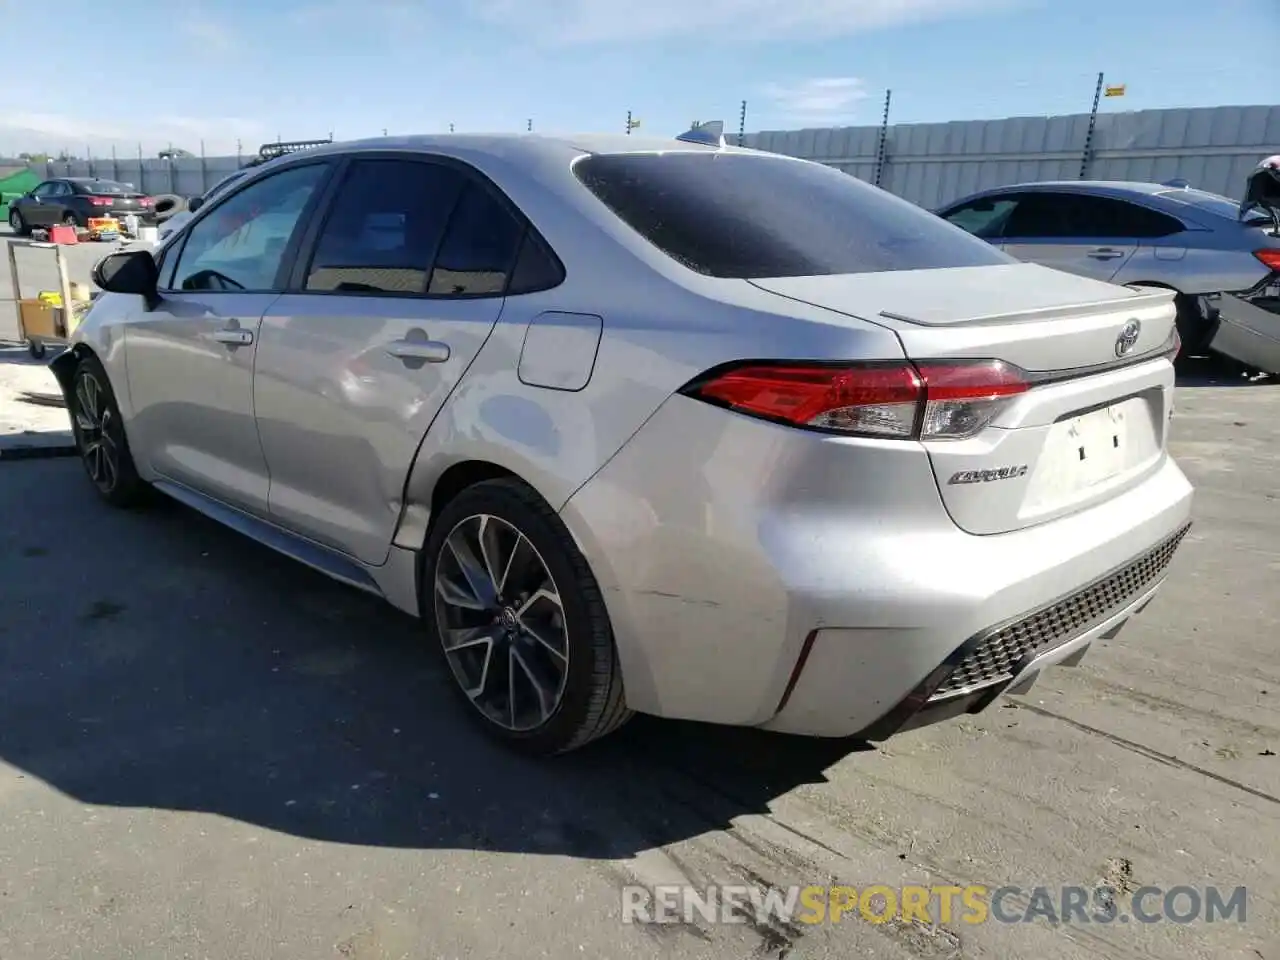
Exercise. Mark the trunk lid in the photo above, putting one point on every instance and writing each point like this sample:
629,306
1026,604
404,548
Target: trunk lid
1093,424
127,203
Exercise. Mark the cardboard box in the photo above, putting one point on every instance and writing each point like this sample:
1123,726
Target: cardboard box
41,320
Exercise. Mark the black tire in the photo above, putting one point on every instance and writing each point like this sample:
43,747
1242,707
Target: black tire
167,204
69,219
592,703
37,349
18,223
121,486
1193,326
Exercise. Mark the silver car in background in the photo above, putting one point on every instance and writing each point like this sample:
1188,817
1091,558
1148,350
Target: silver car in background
649,425
1193,242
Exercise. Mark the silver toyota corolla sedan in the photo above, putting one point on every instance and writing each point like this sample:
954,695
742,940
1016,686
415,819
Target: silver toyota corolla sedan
1186,240
649,425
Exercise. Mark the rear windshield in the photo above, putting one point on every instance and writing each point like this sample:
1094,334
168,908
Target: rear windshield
105,188
743,215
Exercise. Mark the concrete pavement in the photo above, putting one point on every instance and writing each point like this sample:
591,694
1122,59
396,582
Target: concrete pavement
208,751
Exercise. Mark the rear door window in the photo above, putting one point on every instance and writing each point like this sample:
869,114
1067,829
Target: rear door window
1126,219
1040,216
741,215
479,248
384,228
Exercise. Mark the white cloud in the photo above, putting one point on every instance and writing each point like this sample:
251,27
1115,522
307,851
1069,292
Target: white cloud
823,99
208,35
395,16
53,132
597,21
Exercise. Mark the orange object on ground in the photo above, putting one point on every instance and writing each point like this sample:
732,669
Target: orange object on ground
63,234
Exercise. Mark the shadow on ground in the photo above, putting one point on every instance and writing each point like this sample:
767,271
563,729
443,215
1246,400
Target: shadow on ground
1215,371
154,659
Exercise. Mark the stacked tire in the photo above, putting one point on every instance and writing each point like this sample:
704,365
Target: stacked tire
167,204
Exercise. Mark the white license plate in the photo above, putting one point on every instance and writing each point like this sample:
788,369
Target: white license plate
1088,450
1095,446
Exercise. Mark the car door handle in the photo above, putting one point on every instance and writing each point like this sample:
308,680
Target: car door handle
236,336
432,351
1105,253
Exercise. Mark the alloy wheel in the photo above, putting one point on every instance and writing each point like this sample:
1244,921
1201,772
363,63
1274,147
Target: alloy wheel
94,423
501,623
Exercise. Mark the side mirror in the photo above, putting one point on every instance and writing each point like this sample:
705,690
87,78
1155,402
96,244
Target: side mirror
194,204
130,271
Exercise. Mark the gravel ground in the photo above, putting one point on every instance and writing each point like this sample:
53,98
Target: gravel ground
207,751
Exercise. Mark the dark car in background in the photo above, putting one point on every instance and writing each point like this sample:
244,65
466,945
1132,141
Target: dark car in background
73,200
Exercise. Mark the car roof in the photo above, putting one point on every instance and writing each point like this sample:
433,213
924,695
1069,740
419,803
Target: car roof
1162,195
533,145
1086,186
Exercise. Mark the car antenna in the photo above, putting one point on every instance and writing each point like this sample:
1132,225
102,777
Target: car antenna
711,133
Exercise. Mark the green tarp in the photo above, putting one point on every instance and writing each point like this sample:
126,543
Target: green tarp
13,184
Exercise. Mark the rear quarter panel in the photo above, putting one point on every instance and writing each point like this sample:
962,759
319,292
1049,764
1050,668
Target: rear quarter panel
662,325
1199,270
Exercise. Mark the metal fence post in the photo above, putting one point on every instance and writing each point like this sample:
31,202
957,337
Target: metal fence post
1088,137
742,124
882,145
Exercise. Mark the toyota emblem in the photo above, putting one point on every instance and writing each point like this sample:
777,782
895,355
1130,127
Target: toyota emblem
1128,338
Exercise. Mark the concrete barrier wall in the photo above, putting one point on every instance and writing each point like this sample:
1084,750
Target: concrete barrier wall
1214,148
187,177
931,164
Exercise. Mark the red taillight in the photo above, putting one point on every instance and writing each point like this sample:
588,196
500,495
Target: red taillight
1269,257
101,201
147,201
962,398
929,401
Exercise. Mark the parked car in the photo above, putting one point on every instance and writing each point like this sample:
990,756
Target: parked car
649,425
1190,241
73,200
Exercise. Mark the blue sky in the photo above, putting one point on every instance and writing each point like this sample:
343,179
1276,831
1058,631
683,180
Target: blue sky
228,70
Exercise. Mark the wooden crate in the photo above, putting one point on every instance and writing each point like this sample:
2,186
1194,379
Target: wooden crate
42,320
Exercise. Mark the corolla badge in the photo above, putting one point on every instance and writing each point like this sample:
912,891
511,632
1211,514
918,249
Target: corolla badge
1128,338
986,476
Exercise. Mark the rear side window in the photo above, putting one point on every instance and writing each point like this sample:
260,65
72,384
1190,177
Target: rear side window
1084,217
105,188
536,267
479,248
384,227
741,215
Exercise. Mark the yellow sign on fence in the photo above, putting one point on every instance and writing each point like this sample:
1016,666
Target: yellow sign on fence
1116,91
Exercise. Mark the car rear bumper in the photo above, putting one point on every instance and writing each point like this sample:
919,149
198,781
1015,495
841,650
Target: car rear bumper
760,575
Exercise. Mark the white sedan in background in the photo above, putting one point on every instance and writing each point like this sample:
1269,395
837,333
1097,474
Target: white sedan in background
182,217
